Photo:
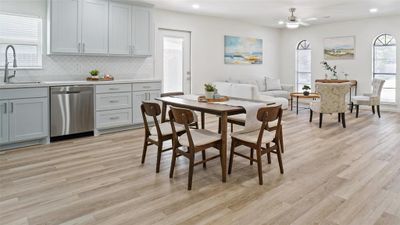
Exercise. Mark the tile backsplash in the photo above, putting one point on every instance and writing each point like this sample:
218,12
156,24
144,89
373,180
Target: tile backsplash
77,68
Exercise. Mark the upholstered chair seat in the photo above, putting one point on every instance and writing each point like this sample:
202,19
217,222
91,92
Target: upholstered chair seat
200,137
252,137
165,129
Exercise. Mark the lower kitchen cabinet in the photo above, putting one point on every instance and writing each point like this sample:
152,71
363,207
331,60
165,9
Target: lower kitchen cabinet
138,98
3,122
28,119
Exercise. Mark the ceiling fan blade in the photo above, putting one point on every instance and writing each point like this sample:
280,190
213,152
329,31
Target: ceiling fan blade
303,24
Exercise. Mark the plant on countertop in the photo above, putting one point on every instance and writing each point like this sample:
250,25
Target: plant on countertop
327,67
306,90
94,72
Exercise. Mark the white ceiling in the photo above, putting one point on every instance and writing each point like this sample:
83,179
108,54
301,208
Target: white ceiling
269,12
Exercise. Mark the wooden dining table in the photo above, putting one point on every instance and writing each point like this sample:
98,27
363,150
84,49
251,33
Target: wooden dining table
216,109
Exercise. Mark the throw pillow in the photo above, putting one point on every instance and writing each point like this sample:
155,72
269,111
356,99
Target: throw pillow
273,84
261,84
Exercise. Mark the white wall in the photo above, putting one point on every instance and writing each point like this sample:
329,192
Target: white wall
365,31
208,47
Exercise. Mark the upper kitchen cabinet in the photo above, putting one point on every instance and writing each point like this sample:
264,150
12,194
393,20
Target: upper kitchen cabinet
120,29
64,34
99,27
94,27
141,30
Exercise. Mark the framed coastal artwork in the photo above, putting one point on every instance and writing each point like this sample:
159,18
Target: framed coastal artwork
243,50
337,48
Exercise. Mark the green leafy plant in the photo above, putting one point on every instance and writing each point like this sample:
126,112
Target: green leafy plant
327,67
306,88
209,87
94,72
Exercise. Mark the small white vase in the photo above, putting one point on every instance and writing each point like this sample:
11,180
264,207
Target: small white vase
209,94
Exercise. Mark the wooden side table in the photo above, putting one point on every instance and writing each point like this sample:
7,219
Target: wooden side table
298,95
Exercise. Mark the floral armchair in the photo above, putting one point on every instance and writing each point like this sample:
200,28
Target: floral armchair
332,100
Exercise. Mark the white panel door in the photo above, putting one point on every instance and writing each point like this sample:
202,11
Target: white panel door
28,119
65,32
95,27
120,34
137,99
141,30
3,122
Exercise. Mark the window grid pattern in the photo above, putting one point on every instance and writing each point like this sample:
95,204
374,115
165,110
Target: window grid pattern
303,64
384,65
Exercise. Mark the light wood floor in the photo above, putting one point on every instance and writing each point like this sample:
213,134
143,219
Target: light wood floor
332,176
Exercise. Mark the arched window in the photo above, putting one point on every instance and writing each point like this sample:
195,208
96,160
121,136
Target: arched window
303,64
384,65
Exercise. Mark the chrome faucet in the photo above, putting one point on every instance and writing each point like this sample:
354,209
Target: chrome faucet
6,71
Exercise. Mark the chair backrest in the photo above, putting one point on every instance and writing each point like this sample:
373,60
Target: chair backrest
377,86
266,115
151,109
184,117
332,96
167,94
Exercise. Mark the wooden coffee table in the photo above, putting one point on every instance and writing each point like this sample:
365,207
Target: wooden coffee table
298,95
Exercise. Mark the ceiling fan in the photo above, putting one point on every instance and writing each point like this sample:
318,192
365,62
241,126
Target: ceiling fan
293,22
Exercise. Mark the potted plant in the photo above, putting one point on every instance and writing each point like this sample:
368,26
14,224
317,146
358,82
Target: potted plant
209,90
332,69
306,90
94,73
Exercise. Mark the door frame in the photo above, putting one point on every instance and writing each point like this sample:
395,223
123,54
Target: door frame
159,66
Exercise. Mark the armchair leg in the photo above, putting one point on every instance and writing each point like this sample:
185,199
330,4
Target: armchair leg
357,110
203,155
338,117
251,155
373,109
281,141
320,120
311,114
378,109
344,120
351,107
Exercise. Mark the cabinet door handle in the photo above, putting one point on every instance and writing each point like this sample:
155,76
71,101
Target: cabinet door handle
79,47
83,47
114,118
113,89
146,87
5,108
12,107
114,101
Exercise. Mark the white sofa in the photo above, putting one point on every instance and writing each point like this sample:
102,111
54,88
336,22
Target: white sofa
247,91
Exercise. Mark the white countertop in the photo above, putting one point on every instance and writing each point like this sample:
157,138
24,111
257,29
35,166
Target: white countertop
28,84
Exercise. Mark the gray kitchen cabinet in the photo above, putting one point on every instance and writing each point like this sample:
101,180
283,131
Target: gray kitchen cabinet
3,122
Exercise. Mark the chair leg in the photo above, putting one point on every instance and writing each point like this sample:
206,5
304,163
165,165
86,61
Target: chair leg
173,160
231,127
351,107
357,110
191,167
280,160
338,117
144,150
251,155
373,109
203,155
344,120
159,151
320,119
378,109
259,165
219,125
231,157
281,141
268,154
311,114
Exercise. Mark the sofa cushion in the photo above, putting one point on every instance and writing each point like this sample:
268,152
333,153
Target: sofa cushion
224,88
277,93
273,84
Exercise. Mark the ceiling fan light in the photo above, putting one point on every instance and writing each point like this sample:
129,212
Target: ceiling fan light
292,25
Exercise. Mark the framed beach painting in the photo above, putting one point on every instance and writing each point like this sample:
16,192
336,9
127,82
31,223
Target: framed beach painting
243,50
337,48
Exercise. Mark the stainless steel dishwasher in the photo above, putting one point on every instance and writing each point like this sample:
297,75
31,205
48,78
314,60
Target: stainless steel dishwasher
71,111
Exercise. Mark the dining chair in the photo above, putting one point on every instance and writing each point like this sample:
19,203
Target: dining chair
159,133
240,120
332,100
195,123
256,140
192,142
371,99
